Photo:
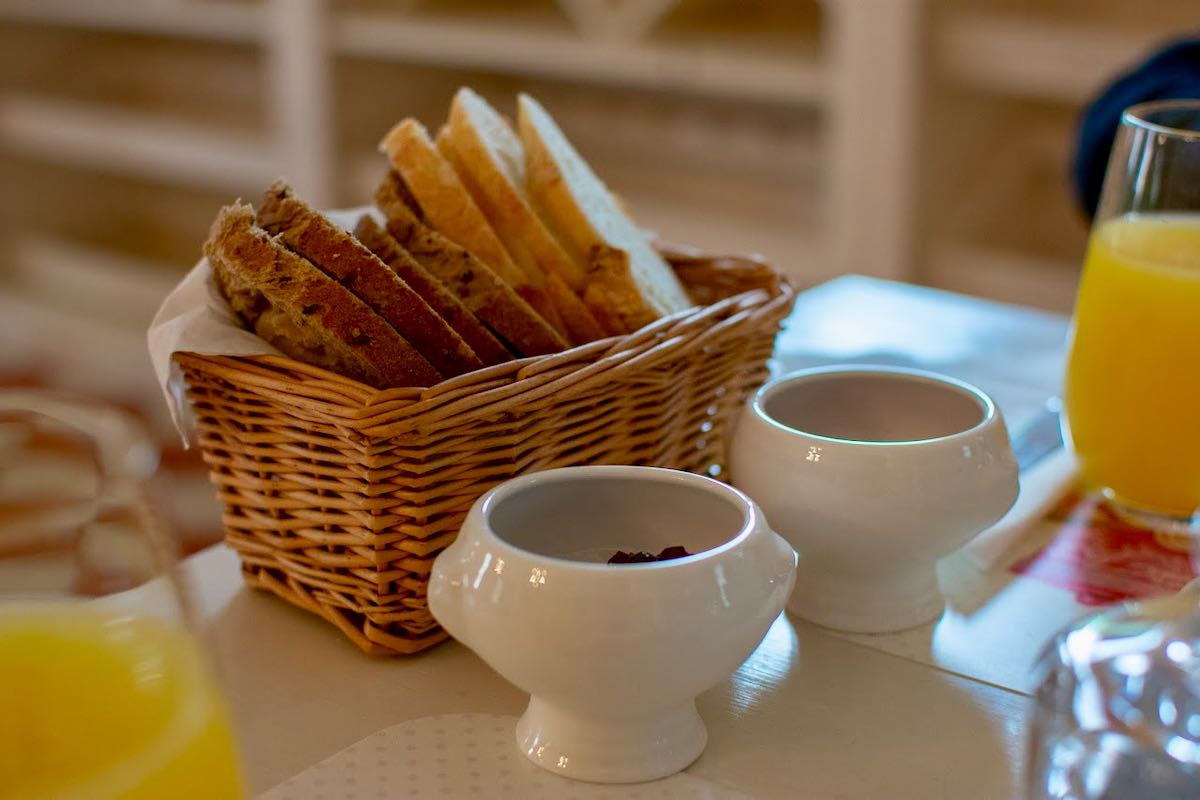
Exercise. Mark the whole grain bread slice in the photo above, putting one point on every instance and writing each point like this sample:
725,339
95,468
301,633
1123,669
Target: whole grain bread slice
301,311
489,158
638,287
449,209
343,258
440,299
490,299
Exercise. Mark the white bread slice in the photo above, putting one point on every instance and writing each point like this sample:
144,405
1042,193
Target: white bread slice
449,209
490,160
639,287
492,165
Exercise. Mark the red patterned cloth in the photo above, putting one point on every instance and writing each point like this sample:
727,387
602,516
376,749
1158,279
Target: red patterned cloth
1103,559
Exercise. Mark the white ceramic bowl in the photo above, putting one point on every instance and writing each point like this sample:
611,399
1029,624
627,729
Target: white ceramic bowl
612,656
873,474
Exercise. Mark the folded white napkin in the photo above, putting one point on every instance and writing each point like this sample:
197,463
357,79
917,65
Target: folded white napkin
1042,486
195,319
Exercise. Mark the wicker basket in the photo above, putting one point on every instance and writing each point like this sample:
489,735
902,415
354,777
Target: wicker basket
338,496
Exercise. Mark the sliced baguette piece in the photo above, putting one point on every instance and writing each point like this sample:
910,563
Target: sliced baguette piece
586,218
445,303
490,299
343,258
301,311
489,159
448,208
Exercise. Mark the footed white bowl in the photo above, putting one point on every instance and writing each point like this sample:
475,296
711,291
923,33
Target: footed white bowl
873,474
613,656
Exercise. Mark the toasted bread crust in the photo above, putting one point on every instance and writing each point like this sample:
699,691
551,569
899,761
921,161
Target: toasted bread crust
582,325
449,208
347,261
612,293
481,291
441,299
298,309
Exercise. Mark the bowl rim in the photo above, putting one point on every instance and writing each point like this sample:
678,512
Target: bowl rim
752,519
990,413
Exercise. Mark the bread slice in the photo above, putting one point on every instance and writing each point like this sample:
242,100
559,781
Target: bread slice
448,207
300,310
489,158
447,306
582,212
343,258
490,299
581,325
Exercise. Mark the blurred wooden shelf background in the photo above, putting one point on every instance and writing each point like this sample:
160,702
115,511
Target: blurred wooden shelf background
1005,83
923,140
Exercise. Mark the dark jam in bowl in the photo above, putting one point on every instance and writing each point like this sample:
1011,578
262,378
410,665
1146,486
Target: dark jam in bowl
667,554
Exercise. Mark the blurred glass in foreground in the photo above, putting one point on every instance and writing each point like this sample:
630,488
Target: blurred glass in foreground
1117,714
104,693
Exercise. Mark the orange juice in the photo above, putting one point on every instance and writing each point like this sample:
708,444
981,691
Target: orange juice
99,706
1133,375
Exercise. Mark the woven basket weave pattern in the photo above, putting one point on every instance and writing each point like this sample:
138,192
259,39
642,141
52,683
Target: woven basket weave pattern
338,496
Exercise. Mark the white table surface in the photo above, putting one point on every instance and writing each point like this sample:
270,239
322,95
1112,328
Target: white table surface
811,714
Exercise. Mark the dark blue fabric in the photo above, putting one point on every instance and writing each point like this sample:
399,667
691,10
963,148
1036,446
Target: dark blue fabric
1173,72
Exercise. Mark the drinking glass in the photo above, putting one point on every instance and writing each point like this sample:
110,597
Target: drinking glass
1133,372
104,692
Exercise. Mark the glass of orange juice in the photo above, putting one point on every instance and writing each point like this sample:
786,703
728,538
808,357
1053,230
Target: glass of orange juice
104,691
1132,393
